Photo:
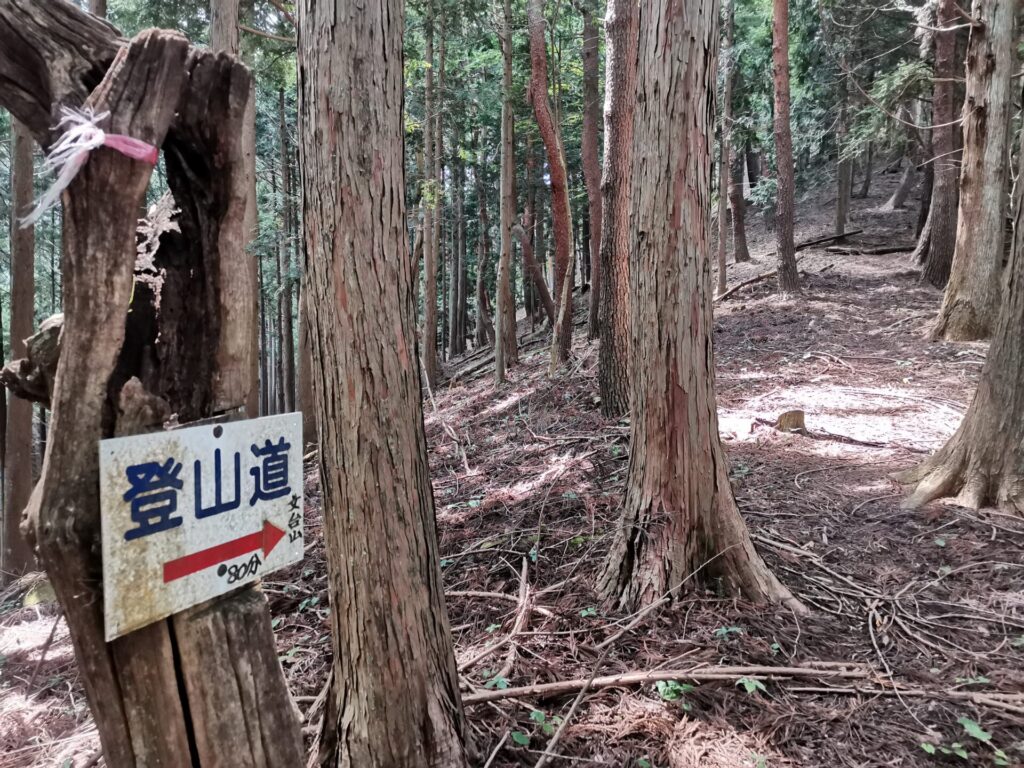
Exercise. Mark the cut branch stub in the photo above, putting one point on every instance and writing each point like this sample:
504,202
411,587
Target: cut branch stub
31,378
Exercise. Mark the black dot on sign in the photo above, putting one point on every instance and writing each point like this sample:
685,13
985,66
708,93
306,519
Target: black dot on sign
218,431
221,569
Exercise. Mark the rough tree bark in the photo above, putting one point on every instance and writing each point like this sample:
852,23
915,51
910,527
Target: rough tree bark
484,327
536,274
899,196
460,224
938,237
789,280
971,301
187,685
844,167
506,348
428,332
16,556
619,103
741,252
395,698
438,196
224,37
983,463
592,157
869,162
287,332
306,404
561,217
725,137
679,517
98,8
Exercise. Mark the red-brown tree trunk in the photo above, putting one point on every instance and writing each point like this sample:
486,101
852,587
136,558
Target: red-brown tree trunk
592,158
394,700
738,204
935,248
789,280
561,218
484,333
16,557
287,331
724,147
428,332
506,350
844,166
983,463
679,519
621,21
971,300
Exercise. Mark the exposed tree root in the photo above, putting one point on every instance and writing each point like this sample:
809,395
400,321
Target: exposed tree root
972,478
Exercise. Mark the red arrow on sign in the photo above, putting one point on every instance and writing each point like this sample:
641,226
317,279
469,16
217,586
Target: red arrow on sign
265,539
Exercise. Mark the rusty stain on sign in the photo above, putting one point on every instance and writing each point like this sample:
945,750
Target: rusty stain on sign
190,514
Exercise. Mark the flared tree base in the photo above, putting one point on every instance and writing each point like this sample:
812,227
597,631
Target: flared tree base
976,468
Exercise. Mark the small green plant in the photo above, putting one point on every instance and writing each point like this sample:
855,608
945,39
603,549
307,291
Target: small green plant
520,738
588,613
309,602
497,681
724,632
956,748
547,725
643,762
760,761
492,627
979,680
672,690
751,685
776,649
940,542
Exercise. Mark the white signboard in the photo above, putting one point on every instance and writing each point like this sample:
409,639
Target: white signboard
190,514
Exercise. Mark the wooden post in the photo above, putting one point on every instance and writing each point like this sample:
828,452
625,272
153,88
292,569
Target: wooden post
204,687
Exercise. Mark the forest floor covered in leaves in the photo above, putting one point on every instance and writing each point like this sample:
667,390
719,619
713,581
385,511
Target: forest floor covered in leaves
916,628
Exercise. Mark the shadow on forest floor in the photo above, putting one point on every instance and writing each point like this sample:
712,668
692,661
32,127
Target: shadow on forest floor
532,474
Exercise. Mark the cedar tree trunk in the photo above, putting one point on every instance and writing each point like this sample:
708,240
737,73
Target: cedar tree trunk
394,699
679,516
619,103
983,463
789,280
938,239
592,158
561,217
971,301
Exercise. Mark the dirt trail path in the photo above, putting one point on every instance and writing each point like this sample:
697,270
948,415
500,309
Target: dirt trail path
527,480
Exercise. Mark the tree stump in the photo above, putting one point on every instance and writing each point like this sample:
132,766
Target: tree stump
205,686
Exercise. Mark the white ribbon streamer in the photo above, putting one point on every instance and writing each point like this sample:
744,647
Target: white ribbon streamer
69,153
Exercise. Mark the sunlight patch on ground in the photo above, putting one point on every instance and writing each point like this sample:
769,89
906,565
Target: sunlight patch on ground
893,416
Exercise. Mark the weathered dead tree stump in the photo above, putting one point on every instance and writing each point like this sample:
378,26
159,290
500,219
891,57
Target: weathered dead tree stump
204,687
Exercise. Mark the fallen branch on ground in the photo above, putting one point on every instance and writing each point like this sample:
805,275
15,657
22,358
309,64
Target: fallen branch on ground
698,674
848,250
799,247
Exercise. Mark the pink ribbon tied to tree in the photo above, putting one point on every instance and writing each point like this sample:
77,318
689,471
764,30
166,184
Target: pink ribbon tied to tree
67,156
